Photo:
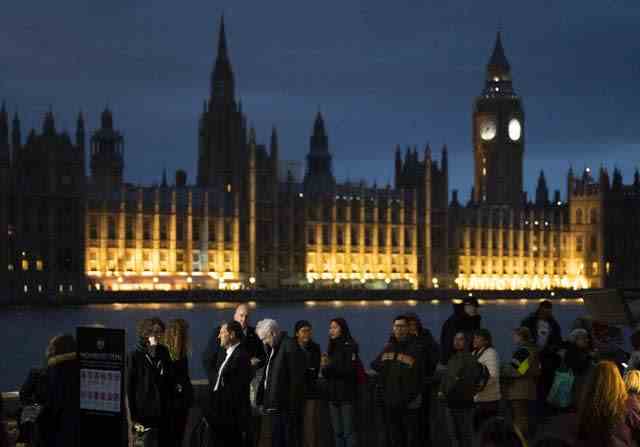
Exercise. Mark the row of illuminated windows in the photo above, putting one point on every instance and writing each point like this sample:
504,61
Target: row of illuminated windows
522,267
529,242
369,235
127,261
339,259
40,288
581,216
212,231
326,213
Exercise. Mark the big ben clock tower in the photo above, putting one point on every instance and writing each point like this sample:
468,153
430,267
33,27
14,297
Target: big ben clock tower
498,136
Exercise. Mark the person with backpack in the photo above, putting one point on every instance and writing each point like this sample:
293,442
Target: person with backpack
521,378
457,389
338,367
488,398
400,368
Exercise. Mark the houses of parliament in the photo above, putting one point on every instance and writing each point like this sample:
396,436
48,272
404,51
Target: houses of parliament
249,221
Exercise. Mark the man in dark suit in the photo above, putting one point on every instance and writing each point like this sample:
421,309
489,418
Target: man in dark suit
229,378
250,341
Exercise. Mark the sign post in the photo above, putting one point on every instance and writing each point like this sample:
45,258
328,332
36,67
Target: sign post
101,353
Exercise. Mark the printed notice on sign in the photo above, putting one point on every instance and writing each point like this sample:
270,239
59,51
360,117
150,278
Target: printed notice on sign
100,390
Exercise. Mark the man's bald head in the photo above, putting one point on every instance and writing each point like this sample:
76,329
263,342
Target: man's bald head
242,315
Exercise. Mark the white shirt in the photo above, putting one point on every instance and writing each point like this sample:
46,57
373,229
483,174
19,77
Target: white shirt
544,330
230,350
266,371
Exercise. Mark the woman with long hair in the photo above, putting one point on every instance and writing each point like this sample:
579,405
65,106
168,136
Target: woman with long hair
632,382
177,341
338,367
149,385
607,415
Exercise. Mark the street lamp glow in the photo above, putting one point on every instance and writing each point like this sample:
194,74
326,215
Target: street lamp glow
252,280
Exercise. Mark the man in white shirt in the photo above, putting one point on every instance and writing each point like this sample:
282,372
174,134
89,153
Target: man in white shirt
229,379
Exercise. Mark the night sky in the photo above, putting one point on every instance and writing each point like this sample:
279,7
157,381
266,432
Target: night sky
382,73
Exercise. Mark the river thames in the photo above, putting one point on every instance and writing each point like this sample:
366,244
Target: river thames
27,330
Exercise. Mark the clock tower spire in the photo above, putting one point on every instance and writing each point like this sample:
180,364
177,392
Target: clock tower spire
498,137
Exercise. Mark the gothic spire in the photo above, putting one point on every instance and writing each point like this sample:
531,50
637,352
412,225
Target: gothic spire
318,125
49,127
107,119
542,192
498,59
222,82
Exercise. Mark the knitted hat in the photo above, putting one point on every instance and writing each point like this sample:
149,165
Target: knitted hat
301,324
471,302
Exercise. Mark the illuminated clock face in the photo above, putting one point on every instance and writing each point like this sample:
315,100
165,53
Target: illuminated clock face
488,129
515,129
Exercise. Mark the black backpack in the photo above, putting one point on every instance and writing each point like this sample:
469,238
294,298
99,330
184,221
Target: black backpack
472,379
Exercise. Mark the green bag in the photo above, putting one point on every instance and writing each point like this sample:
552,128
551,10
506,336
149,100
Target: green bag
561,393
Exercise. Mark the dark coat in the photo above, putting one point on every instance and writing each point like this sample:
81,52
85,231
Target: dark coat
430,352
460,321
400,369
229,405
283,389
340,373
4,437
149,387
62,402
459,368
181,398
252,346
312,355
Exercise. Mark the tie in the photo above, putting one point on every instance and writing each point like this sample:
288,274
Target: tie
219,362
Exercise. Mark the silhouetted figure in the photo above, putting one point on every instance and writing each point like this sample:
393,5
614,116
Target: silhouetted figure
338,368
177,341
465,319
458,389
149,385
308,427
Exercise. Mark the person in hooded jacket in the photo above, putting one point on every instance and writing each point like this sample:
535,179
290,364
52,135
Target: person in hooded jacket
400,368
59,391
465,319
339,371
149,385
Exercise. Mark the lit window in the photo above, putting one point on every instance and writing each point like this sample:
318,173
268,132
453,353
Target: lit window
39,287
60,288
39,265
228,187
25,265
484,171
70,288
26,288
10,267
496,79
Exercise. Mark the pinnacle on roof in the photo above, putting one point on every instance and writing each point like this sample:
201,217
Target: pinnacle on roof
498,58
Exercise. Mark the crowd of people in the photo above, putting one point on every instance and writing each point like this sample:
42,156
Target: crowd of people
263,380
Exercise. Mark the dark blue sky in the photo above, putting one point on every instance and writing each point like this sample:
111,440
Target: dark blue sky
381,72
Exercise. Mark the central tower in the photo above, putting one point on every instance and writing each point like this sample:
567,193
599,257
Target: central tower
222,155
498,136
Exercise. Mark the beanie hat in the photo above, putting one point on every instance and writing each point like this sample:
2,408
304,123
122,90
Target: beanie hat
301,324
